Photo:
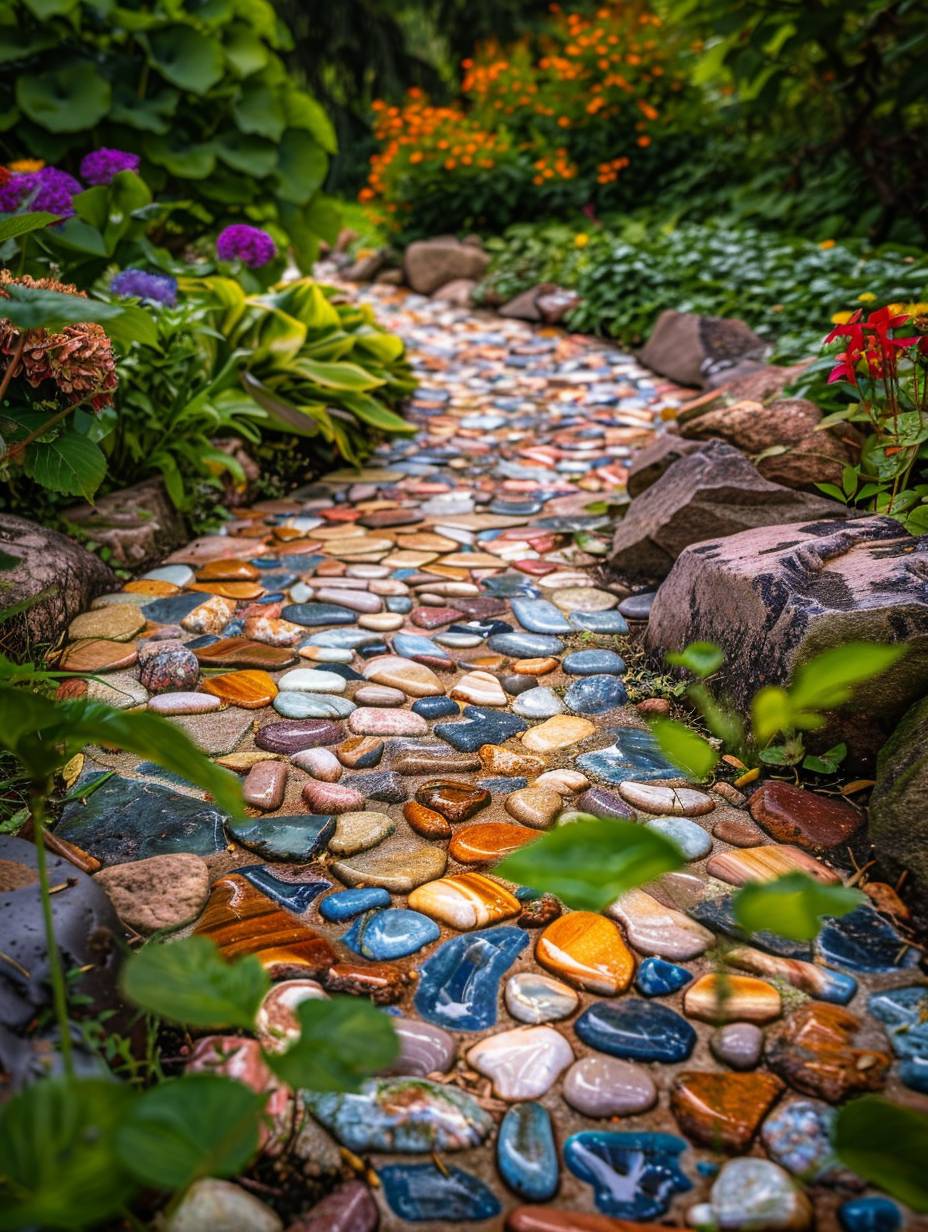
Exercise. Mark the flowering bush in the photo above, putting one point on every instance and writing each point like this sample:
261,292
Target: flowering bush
250,245
149,288
576,116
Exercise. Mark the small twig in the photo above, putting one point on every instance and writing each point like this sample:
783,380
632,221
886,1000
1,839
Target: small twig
14,361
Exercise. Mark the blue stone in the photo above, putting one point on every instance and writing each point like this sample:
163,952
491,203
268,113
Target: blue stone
516,509
394,933
385,785
593,663
413,646
595,694
459,984
420,1192
344,904
344,639
657,977
718,915
636,1030
340,669
872,1214
481,725
691,838
373,649
299,562
525,645
599,622
173,609
502,785
904,1012
798,1135
540,616
638,607
634,1176
410,1115
279,581
509,585
435,707
296,838
294,895
234,628
400,604
635,755
526,1154
864,941
313,614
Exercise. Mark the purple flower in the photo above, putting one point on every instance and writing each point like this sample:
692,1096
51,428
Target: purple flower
150,288
250,245
100,166
50,190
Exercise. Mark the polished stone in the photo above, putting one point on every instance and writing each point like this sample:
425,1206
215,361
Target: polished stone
538,703
731,998
478,727
738,1044
295,735
636,1030
658,978
345,904
359,831
634,1175
557,733
754,1193
864,940
804,818
633,756
606,1087
455,800
595,694
397,866
526,1154
522,1063
829,1052
672,801
385,935
486,842
465,900
653,928
422,1192
586,950
424,1049
294,895
593,663
903,1013
722,1110
241,920
297,838
534,998
459,982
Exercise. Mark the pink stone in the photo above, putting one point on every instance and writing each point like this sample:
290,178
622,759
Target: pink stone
265,785
320,763
370,721
332,797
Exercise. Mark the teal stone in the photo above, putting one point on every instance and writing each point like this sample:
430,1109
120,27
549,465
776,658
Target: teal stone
904,1012
525,645
635,756
345,904
540,616
407,1115
459,983
526,1154
293,705
421,1193
870,1214
595,694
593,663
691,838
294,895
127,819
384,935
297,838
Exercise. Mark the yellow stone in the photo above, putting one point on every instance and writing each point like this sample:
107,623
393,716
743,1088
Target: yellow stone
557,733
732,998
588,951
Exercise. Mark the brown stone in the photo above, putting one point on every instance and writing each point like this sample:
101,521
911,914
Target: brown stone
242,920
551,1219
164,891
720,1110
96,655
252,690
454,800
426,821
488,841
692,349
824,1050
739,830
792,815
242,652
430,264
382,982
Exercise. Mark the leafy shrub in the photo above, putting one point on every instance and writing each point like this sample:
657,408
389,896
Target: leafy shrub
574,115
781,286
198,90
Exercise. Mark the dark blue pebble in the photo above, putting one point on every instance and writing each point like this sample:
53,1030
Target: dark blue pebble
373,650
384,935
344,904
502,785
872,1214
339,669
294,895
636,1030
459,982
638,607
172,610
593,663
435,707
864,941
595,694
634,1176
718,915
657,977
481,725
526,1154
903,1012
311,615
634,755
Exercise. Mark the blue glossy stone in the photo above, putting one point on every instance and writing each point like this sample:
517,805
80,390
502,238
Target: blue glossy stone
373,650
481,725
595,694
294,895
718,915
691,838
344,904
636,1030
279,581
540,616
294,838
411,1115
509,585
400,604
904,1012
634,1176
864,940
394,933
599,622
415,646
657,977
313,614
435,707
635,755
420,1192
874,1214
459,984
526,1154
173,609
593,663
525,645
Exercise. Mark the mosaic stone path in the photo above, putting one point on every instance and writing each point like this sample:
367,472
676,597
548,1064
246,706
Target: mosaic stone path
416,670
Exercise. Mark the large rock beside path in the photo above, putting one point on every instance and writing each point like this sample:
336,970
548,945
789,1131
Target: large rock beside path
430,264
707,494
698,350
899,803
775,596
54,574
138,524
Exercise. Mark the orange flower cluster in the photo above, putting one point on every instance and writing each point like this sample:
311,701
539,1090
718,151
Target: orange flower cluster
554,166
608,172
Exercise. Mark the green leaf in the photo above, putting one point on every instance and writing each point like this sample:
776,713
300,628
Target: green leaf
887,1145
342,1042
301,166
792,906
251,155
771,713
827,762
259,110
187,58
57,1146
64,100
829,679
70,464
134,324
700,658
36,308
304,112
44,9
15,225
590,863
688,751
832,489
351,377
245,51
188,162
187,1128
189,982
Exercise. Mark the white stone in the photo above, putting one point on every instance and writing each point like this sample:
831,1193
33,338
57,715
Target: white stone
308,680
523,1063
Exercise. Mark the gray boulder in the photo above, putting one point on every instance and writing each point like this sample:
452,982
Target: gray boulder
430,264
648,464
776,596
54,574
899,803
139,525
707,494
703,351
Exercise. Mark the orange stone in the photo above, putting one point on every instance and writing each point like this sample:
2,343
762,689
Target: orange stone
241,920
230,590
465,900
249,689
228,571
97,655
153,587
243,652
489,840
588,951
723,1111
824,1050
426,821
732,998
534,667
553,1219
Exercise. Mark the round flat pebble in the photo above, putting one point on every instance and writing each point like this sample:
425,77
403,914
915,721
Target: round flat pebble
533,997
691,838
606,1086
593,663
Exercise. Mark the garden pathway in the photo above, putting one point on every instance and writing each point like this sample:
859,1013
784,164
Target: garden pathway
418,669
